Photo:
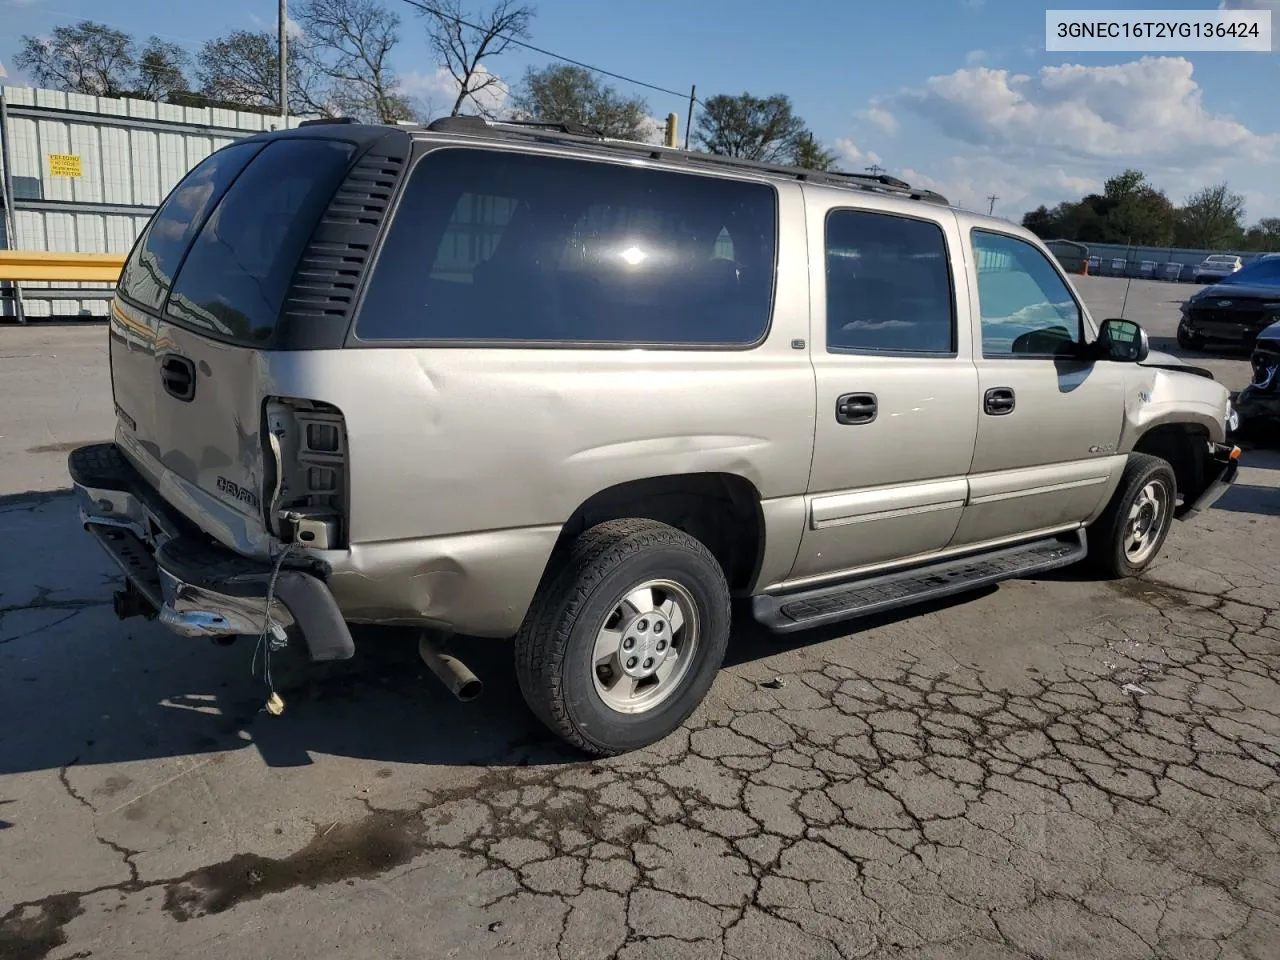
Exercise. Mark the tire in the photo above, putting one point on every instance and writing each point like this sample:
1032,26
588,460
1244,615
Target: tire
1187,342
595,584
1146,479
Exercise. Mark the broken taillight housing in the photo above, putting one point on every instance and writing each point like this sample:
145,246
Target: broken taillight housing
308,447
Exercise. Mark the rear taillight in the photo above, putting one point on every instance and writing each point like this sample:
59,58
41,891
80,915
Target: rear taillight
308,499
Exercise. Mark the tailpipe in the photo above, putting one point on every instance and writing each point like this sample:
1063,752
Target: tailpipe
453,673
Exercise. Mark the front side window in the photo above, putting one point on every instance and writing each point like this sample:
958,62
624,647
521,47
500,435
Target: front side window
491,246
148,274
888,285
1027,308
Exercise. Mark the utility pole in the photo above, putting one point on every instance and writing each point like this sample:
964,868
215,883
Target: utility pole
284,64
991,204
688,126
875,169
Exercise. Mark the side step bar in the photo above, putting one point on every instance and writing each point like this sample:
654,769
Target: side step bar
832,603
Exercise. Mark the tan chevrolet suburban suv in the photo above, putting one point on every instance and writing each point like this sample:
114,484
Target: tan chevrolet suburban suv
516,381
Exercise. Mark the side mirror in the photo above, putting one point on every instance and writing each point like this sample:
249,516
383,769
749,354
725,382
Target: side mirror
1122,341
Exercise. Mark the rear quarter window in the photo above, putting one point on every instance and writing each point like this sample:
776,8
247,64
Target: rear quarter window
235,278
494,247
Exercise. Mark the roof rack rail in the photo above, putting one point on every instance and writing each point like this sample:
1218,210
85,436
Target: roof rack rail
318,121
557,131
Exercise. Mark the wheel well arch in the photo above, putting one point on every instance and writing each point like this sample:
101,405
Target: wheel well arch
722,510
1185,446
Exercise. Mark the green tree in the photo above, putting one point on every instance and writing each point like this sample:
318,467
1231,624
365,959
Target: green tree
1135,212
750,127
1211,219
244,67
809,153
85,57
1263,235
160,70
571,94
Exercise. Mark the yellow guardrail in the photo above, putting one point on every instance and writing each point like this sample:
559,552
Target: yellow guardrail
28,266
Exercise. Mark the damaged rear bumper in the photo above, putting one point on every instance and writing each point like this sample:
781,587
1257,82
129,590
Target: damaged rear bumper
1221,470
197,587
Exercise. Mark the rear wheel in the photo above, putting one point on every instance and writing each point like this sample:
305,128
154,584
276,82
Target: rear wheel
1127,537
625,637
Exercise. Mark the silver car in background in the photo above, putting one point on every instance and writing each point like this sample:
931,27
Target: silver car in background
1216,267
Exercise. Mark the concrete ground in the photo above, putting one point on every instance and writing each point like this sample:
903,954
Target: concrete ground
1057,768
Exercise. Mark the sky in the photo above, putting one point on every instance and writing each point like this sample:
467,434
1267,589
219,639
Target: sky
956,95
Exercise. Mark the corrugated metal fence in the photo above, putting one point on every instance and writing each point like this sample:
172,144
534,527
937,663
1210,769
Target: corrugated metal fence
81,174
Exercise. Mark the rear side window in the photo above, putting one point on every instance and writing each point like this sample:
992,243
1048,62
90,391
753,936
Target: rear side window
148,274
888,285
234,280
489,246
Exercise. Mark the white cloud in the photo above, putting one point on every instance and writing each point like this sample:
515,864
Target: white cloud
853,157
1149,109
975,57
969,180
436,90
880,117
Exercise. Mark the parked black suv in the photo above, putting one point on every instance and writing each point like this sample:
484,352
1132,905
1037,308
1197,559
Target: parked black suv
1234,310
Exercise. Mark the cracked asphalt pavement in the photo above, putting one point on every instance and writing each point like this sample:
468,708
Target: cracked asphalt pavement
1056,768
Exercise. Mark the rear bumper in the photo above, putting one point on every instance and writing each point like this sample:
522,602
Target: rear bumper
1224,464
197,587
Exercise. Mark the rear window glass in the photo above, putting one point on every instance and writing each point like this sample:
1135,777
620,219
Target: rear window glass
235,278
148,274
493,246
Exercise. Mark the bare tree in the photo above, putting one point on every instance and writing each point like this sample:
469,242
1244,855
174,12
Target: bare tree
160,69
85,57
244,67
350,43
464,41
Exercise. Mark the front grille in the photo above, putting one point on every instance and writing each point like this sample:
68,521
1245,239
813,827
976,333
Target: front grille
1245,317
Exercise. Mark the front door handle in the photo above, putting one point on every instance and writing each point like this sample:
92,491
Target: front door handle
855,408
998,401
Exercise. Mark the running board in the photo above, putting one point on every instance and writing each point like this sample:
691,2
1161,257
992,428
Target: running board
832,603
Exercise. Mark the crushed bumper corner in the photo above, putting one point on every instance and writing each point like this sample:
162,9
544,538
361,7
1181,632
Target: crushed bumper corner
198,588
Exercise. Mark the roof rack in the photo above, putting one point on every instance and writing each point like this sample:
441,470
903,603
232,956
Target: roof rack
556,131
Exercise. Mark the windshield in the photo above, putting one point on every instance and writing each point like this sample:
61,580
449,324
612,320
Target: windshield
1264,272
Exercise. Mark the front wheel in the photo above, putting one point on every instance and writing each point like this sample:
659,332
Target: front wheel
625,637
1188,342
1127,537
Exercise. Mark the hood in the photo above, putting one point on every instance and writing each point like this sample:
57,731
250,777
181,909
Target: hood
1270,333
1167,361
1238,291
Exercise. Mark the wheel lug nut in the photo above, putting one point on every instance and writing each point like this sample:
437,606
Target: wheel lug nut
657,627
631,663
662,645
648,663
642,626
628,643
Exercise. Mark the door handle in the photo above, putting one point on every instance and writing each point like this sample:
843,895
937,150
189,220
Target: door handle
178,376
998,401
855,408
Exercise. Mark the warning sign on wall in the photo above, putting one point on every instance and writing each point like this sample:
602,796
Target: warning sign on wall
64,165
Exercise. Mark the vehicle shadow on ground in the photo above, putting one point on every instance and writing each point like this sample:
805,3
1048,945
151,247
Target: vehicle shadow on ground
80,687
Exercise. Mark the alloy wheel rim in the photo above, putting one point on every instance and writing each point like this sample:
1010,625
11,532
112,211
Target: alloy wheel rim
1146,522
645,648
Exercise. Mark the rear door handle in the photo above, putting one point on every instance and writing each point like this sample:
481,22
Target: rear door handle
178,376
855,408
998,401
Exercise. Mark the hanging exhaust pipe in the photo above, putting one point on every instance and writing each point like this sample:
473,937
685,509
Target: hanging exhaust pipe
453,673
